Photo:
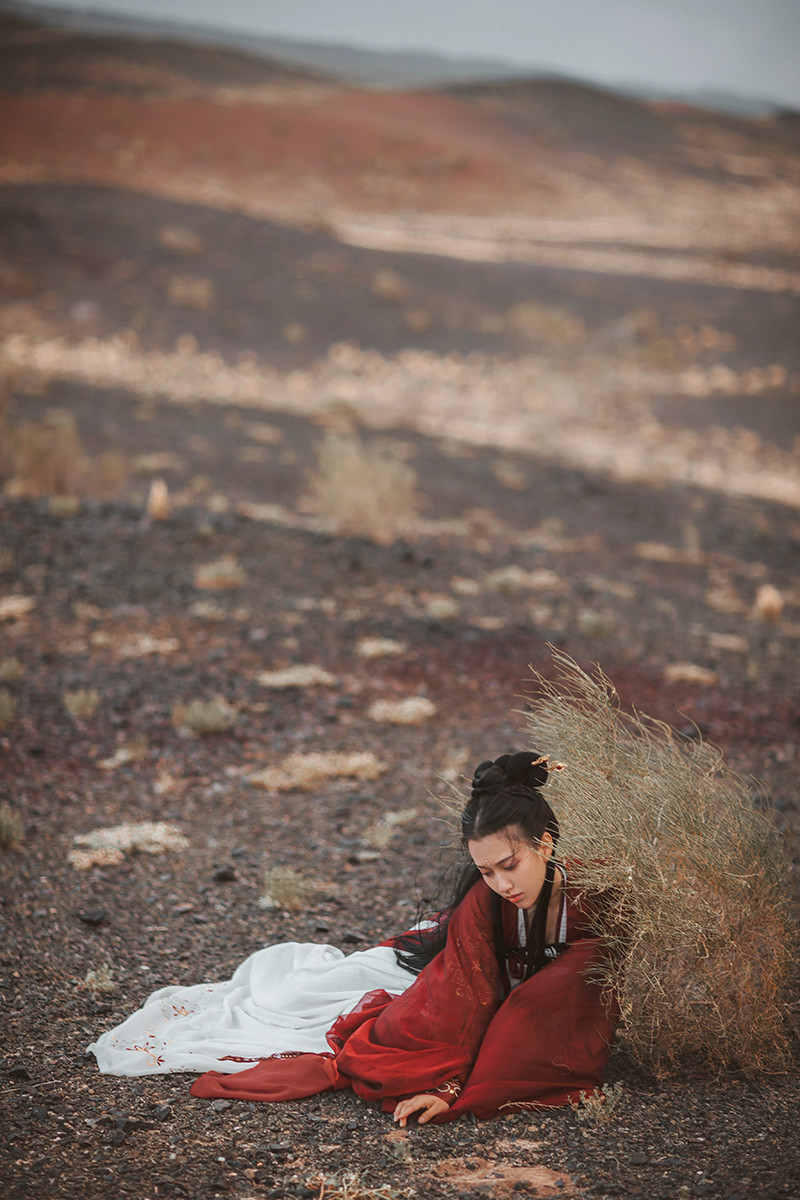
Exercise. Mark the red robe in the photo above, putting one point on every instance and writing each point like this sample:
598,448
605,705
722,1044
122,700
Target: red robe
542,1044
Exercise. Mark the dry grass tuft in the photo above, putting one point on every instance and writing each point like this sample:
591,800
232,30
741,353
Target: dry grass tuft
106,847
9,706
217,576
348,1186
12,829
304,675
686,672
383,830
46,458
11,669
363,490
204,717
700,924
82,703
286,889
380,648
14,608
101,980
300,772
414,710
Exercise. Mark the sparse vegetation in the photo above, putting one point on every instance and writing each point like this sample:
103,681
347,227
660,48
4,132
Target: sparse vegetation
546,323
101,980
217,576
363,490
299,772
414,710
107,847
691,875
46,458
286,889
204,717
12,829
304,675
11,669
599,1106
9,706
81,703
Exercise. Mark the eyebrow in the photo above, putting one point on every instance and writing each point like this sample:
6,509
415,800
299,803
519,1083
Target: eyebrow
499,863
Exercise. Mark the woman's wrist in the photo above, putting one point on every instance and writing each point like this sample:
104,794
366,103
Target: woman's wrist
449,1092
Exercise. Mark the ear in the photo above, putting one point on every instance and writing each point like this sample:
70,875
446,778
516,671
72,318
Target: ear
546,846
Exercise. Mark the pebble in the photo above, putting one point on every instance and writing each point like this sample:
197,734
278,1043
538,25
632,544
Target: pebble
638,1160
225,874
93,916
220,1105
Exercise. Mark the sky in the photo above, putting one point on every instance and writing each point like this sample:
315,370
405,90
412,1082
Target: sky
745,47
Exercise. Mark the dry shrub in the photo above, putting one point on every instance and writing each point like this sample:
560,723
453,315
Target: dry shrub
81,703
12,830
414,710
686,672
101,980
219,575
303,771
14,608
191,291
349,1186
46,456
381,832
548,323
363,490
106,847
304,675
380,648
204,717
9,706
701,926
286,889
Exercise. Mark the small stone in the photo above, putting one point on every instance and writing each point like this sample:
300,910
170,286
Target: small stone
225,874
352,936
162,1112
220,1105
93,916
638,1160
119,1137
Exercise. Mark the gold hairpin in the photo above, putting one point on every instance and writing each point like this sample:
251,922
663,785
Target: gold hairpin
545,760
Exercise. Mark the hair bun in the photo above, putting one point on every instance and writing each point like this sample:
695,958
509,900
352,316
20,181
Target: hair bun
526,767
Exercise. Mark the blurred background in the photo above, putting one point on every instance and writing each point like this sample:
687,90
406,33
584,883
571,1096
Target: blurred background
569,227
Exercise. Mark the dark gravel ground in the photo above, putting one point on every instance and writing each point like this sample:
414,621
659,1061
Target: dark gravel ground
309,598
92,261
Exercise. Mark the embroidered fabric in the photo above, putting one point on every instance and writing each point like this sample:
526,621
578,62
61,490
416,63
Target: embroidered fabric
282,999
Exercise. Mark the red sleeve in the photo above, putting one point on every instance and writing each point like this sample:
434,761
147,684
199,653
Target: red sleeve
432,1032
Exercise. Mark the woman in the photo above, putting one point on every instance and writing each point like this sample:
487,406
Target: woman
501,1012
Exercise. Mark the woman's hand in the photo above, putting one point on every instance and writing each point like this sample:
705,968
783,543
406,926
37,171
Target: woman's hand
428,1107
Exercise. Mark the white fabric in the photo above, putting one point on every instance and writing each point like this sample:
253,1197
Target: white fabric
283,997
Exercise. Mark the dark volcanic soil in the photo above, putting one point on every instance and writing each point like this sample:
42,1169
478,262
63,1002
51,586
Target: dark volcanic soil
639,578
102,577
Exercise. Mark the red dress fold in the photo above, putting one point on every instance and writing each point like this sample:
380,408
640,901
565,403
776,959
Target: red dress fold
543,1044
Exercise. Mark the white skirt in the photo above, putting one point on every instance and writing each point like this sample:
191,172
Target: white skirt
283,997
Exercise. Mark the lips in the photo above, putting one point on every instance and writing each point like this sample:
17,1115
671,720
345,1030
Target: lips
515,899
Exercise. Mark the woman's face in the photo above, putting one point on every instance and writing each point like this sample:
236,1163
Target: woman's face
511,866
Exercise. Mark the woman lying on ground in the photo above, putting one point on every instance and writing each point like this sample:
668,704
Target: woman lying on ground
487,1008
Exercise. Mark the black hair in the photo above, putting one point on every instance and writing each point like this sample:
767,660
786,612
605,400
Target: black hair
505,795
